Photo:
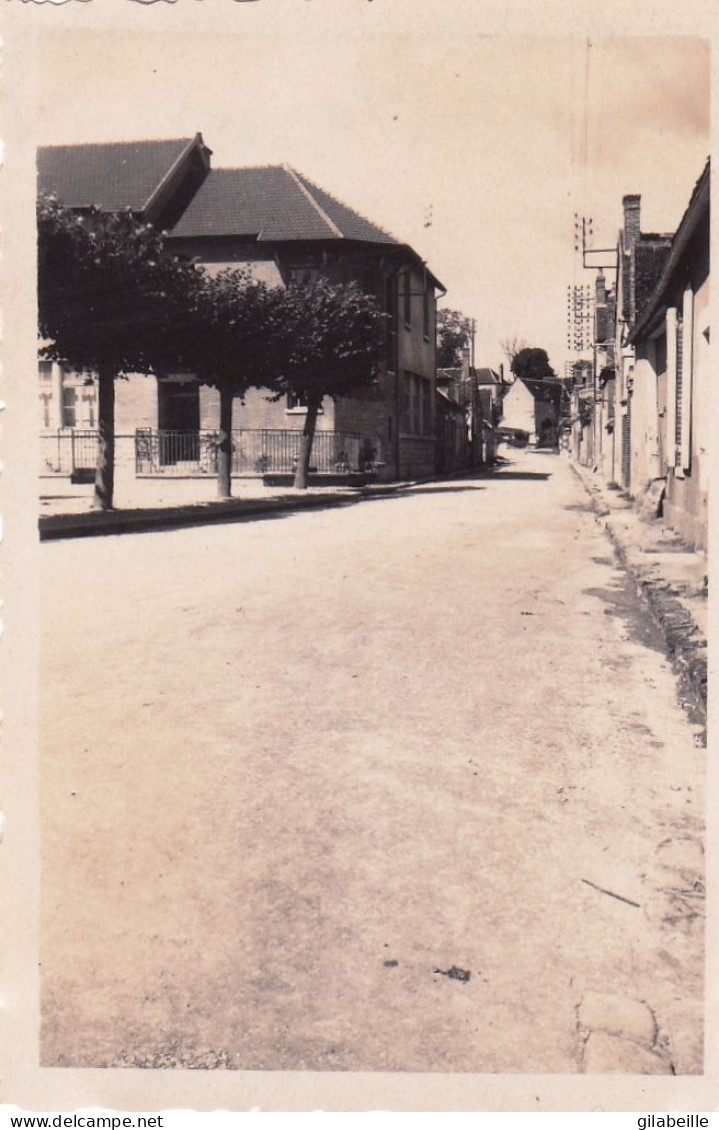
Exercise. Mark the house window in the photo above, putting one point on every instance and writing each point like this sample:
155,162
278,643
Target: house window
407,298
297,403
425,311
45,370
679,414
89,401
69,407
178,406
303,275
416,405
426,388
390,305
367,281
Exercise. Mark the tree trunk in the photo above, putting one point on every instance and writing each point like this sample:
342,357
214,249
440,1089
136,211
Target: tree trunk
308,434
105,469
224,449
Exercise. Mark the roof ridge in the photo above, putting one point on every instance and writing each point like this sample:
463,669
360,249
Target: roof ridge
349,208
243,168
318,208
104,144
197,139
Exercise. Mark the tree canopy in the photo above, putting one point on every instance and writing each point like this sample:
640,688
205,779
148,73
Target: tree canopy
229,340
109,295
328,339
454,332
533,363
110,301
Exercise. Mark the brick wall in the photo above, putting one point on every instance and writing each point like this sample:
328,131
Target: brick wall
256,411
632,220
135,404
373,418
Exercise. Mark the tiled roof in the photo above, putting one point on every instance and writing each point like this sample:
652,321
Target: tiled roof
546,391
112,175
487,377
269,203
666,270
349,222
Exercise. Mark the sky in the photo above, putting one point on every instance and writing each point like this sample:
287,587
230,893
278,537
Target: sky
476,150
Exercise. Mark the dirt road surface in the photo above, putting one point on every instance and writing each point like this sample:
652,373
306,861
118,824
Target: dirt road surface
397,786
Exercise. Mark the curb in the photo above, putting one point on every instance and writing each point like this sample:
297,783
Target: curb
52,528
684,643
94,524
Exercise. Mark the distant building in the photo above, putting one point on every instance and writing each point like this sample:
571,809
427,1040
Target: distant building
533,406
490,388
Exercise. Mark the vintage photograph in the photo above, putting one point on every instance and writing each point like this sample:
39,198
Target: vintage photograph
373,452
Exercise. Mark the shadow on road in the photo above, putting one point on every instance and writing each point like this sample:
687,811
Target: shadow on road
621,600
522,475
449,489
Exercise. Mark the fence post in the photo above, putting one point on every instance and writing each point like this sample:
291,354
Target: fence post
72,451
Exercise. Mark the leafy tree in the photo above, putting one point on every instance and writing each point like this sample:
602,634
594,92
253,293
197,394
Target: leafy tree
110,300
454,332
533,364
230,340
328,339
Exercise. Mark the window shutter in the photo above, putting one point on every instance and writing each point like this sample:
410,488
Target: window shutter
687,370
679,399
671,417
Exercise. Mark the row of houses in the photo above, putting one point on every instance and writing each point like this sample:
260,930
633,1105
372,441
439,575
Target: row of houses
640,411
281,227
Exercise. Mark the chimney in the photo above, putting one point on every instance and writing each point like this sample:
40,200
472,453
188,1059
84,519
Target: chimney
632,209
465,360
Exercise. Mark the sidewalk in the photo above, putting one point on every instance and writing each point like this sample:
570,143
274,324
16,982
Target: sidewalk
71,517
89,523
670,576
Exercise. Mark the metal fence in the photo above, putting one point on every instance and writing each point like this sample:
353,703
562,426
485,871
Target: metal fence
68,450
254,451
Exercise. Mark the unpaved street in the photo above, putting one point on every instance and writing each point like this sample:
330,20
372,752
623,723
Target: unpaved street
302,776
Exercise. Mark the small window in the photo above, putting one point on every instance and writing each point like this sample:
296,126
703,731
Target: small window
391,322
297,403
304,275
45,369
367,282
69,408
89,411
407,298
